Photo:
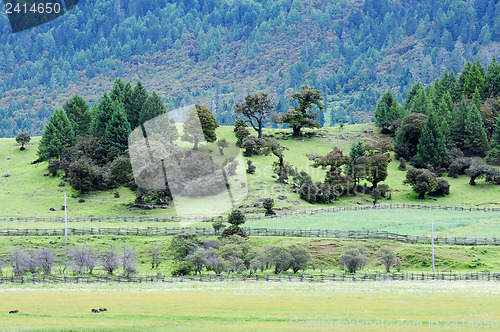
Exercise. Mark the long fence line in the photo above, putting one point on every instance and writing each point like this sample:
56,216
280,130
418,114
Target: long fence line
256,217
408,276
317,233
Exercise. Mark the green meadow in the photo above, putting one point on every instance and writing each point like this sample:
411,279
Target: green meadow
26,192
250,306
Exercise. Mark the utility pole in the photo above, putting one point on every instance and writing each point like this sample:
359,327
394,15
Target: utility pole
65,219
432,241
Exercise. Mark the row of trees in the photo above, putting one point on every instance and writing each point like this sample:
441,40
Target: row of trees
78,260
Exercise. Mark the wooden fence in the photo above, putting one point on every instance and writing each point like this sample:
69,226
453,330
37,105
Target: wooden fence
317,233
408,276
258,217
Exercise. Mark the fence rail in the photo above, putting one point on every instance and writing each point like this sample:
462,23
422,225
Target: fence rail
408,276
317,233
193,219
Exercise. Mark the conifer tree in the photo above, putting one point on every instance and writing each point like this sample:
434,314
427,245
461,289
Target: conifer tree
57,136
494,153
431,148
127,100
78,114
153,107
117,129
458,126
357,150
493,78
139,97
101,116
476,142
387,110
117,90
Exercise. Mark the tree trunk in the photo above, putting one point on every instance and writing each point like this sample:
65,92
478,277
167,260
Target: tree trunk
472,181
282,167
195,148
296,131
421,196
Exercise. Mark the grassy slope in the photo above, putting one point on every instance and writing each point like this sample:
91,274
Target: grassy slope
28,193
325,252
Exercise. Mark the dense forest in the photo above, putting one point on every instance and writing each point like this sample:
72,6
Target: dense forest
216,52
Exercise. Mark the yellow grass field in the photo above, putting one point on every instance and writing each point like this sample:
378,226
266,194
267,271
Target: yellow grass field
252,306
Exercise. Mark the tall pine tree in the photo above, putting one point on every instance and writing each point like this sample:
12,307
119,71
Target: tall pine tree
101,116
117,129
153,107
78,114
476,142
458,124
139,97
431,148
494,153
57,136
493,78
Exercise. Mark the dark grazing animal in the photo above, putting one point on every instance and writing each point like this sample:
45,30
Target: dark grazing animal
13,311
103,309
95,311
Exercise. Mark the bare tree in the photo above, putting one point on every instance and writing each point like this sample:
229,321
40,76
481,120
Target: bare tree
388,258
82,259
155,254
110,261
45,260
19,260
129,260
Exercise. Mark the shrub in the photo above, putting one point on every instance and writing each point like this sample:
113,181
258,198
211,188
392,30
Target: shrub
268,204
442,189
182,269
402,164
353,259
251,167
252,146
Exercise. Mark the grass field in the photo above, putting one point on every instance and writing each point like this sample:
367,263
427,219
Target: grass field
27,192
251,306
402,221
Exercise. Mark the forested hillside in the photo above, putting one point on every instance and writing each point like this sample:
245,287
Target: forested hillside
217,51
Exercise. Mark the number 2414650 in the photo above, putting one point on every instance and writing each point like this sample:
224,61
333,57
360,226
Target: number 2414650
36,8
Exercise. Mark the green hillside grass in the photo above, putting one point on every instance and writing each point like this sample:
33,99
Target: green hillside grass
324,252
27,192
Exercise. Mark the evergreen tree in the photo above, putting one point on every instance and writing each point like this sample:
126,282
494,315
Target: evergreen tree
494,153
139,97
493,78
117,129
153,107
78,114
117,90
476,142
127,99
475,79
200,126
101,116
357,150
431,148
458,126
57,136
387,111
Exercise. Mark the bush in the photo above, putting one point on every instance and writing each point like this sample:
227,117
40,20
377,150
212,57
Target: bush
402,164
268,204
442,189
233,230
353,259
251,167
252,146
182,269
183,244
